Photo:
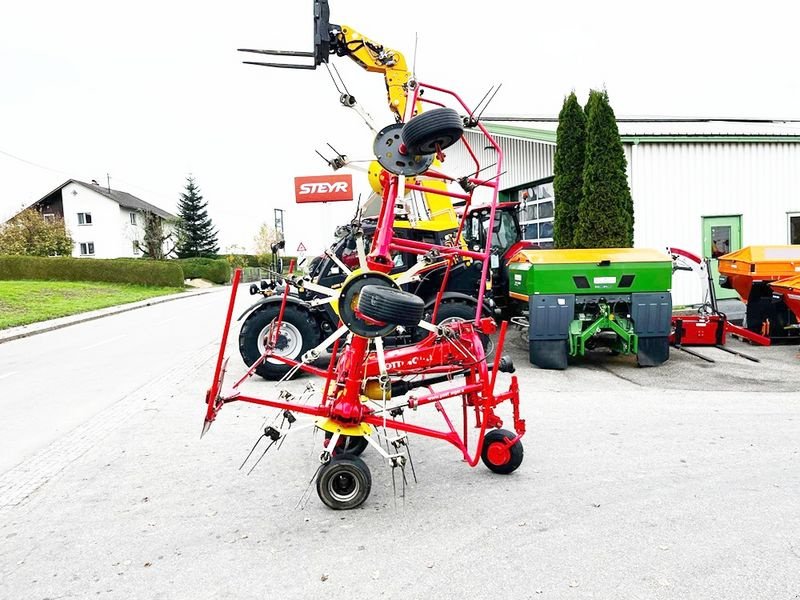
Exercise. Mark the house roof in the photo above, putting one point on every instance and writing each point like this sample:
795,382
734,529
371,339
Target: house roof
124,199
658,129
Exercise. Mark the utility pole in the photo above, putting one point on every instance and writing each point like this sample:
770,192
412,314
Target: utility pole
108,182
279,241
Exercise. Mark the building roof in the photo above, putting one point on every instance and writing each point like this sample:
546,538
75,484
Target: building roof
645,129
124,199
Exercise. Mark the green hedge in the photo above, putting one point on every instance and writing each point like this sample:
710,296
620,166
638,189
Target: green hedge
216,270
115,270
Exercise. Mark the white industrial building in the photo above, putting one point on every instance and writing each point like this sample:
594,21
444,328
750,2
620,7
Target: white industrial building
707,186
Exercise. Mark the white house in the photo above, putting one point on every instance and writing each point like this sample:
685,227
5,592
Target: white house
104,223
707,186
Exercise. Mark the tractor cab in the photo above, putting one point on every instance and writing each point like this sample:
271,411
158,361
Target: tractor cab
506,240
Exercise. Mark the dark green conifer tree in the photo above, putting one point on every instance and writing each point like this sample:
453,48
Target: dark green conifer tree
605,215
196,233
568,169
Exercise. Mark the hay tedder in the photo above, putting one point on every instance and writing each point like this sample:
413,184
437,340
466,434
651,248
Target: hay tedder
369,394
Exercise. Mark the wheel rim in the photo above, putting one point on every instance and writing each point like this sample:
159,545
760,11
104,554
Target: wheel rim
498,453
289,344
488,342
343,486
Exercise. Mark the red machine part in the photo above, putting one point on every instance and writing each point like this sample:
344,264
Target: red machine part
453,351
706,329
789,290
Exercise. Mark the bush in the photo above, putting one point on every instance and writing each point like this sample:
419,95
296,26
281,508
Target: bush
216,270
115,270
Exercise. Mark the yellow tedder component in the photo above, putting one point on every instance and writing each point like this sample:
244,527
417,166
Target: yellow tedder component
356,430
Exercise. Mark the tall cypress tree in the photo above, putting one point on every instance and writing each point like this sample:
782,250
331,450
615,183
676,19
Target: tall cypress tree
197,236
568,169
605,215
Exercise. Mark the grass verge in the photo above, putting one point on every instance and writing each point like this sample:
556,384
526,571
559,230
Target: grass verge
24,302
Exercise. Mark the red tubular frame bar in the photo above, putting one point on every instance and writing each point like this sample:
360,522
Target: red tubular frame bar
351,366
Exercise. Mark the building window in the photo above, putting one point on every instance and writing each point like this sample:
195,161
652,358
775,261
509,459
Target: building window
794,228
536,213
133,218
84,218
49,216
87,248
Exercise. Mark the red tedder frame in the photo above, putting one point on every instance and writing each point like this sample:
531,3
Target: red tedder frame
447,352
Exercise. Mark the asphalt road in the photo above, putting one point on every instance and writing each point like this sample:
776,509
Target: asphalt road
675,482
53,382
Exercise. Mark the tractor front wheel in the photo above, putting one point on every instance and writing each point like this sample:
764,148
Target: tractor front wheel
297,334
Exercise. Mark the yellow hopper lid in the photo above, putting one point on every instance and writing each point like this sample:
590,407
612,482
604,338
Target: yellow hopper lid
792,284
590,255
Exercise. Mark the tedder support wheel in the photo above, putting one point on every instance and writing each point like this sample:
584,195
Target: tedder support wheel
497,455
549,354
297,335
433,130
349,444
344,482
390,305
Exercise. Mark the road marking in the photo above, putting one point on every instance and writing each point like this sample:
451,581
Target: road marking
8,374
108,341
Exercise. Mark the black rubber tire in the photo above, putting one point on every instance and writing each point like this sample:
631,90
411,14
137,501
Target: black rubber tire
349,444
254,326
509,460
549,354
391,305
344,482
438,128
465,312
653,351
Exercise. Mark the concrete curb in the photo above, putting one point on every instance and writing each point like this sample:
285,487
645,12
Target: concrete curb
15,333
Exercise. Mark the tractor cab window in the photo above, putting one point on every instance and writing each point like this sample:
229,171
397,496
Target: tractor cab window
504,233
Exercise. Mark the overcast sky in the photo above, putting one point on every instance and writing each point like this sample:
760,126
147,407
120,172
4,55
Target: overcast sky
152,91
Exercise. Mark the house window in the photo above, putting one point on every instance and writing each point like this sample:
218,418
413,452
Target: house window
536,213
794,228
49,216
133,218
84,218
87,248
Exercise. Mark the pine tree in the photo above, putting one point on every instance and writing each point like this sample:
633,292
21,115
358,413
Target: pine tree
605,215
196,233
568,169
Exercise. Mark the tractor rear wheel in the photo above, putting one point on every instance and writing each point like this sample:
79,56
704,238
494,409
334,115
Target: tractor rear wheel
349,444
450,312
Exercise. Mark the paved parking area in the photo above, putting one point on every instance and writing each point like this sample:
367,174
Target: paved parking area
675,482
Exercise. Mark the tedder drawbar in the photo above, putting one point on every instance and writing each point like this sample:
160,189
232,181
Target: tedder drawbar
367,390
